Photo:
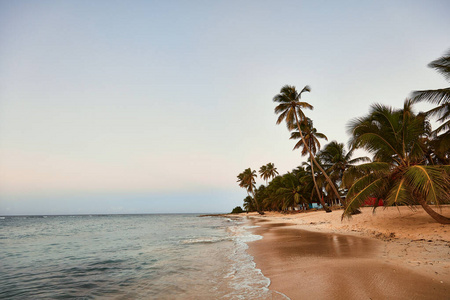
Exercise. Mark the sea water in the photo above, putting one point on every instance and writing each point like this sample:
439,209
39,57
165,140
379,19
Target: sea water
128,257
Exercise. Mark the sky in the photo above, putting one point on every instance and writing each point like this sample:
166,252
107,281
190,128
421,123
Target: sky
156,106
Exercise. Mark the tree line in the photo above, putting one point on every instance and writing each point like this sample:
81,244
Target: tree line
410,163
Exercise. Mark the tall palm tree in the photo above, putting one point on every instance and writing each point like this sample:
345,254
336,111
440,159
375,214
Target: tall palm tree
311,137
398,173
290,109
440,97
268,171
247,180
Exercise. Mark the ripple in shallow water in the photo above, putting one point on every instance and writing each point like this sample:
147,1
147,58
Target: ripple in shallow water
128,257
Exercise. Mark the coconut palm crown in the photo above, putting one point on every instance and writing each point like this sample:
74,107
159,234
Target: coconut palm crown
398,173
247,180
268,171
336,160
311,137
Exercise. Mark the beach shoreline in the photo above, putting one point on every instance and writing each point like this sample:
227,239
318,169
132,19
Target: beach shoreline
396,252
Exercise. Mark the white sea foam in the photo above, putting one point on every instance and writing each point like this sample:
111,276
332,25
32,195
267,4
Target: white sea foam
245,280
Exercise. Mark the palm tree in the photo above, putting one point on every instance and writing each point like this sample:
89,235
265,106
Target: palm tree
248,204
310,136
260,195
440,97
336,160
290,191
268,171
290,109
311,181
438,149
304,177
272,200
398,173
247,180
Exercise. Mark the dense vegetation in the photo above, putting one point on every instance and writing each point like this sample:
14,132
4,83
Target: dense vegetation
237,210
410,163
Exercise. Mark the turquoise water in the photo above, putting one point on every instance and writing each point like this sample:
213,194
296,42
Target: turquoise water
128,257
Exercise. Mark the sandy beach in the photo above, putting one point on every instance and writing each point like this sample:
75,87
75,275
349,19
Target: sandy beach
396,253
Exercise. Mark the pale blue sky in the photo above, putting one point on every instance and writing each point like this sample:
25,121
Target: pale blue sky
156,106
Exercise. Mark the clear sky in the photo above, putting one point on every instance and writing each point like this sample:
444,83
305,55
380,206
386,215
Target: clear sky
156,106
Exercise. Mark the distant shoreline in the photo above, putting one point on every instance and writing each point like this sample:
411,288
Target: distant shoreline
112,214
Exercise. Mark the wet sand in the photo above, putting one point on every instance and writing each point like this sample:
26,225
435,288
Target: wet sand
313,265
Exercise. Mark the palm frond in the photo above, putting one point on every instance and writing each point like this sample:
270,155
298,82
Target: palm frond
307,88
321,136
359,160
442,65
281,117
441,111
355,172
304,105
399,194
361,190
372,142
443,128
432,96
430,182
384,115
443,142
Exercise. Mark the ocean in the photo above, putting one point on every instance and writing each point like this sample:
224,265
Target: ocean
174,256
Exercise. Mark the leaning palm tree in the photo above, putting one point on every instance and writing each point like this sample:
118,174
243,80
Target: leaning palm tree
268,171
398,173
311,137
247,180
440,97
311,181
290,109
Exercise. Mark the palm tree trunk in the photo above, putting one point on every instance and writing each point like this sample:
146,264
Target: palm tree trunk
439,218
315,161
325,208
255,203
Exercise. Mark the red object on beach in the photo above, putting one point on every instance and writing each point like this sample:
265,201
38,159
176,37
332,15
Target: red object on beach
372,200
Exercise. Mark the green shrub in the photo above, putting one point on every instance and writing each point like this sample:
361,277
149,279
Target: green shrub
237,210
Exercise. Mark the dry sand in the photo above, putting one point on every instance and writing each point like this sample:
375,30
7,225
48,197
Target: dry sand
392,254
